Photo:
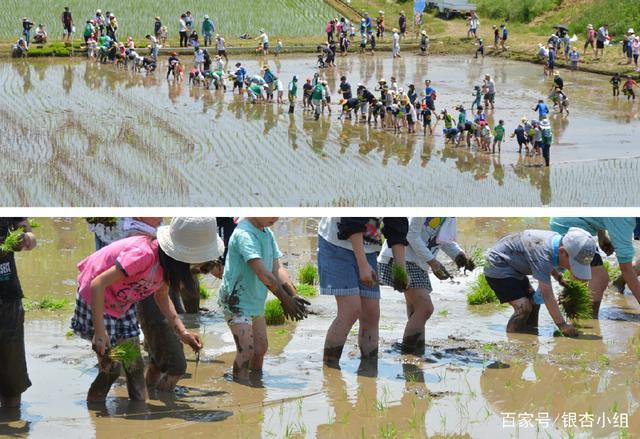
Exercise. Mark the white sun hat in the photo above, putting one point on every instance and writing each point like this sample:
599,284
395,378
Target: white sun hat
192,240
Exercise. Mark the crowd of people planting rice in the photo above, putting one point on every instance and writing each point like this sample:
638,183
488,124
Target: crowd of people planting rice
146,277
386,104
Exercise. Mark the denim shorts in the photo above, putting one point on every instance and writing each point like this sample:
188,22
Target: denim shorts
339,274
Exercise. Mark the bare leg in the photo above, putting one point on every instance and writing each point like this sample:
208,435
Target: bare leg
243,336
102,384
348,313
521,309
597,285
419,310
368,334
260,344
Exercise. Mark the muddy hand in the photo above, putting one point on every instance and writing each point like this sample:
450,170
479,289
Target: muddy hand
568,330
192,340
439,271
605,244
368,277
293,309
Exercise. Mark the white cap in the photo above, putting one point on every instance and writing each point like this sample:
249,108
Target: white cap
191,240
581,248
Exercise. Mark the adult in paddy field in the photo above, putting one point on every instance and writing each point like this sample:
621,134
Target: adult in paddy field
207,30
67,24
542,254
14,379
426,236
347,251
614,235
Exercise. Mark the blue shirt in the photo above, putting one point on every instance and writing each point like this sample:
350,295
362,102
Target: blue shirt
620,231
542,109
428,94
242,292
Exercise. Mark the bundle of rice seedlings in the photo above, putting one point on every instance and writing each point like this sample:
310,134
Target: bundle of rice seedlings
105,221
575,300
481,292
12,241
308,274
126,354
612,270
400,277
476,255
273,312
306,290
205,293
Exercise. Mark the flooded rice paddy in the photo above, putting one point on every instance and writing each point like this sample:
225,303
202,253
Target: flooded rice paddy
78,134
471,375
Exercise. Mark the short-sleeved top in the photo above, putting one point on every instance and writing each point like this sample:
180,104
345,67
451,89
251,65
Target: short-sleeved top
242,292
499,130
521,254
10,288
137,257
620,231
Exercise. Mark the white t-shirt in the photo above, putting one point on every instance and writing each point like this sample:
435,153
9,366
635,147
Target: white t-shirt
182,27
264,37
220,43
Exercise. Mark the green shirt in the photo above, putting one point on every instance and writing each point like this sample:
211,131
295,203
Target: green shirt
293,88
242,292
499,132
318,92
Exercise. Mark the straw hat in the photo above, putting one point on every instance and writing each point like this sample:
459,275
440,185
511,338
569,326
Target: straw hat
630,31
395,29
424,32
556,73
590,26
191,240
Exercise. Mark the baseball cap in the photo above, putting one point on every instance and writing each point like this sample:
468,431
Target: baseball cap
581,248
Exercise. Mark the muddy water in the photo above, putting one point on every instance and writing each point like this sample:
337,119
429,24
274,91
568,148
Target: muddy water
75,133
471,373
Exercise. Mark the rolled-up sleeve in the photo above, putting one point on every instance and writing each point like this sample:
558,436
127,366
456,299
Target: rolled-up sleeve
350,226
414,237
395,230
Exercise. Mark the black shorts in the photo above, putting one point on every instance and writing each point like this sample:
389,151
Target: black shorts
509,289
239,84
600,44
222,52
14,379
597,260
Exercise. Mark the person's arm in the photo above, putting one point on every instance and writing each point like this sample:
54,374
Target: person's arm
97,286
631,278
554,309
167,309
292,307
414,238
368,277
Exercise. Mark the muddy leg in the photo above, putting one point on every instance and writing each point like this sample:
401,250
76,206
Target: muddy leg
136,386
348,313
168,383
153,375
102,384
597,285
521,309
422,308
10,402
243,336
260,344
368,334
533,317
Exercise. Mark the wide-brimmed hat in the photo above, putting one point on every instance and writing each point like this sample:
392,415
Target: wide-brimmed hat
590,26
581,248
192,240
424,32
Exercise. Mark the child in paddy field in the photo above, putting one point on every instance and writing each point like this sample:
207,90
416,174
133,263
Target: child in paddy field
542,254
14,379
347,251
252,268
127,271
426,236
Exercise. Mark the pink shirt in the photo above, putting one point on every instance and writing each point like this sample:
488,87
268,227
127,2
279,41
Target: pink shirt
138,258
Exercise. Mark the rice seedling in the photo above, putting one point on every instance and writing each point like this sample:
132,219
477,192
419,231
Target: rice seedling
400,277
126,354
388,431
612,270
306,290
273,312
481,292
232,17
575,300
476,255
205,293
308,274
443,312
33,223
12,241
49,303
